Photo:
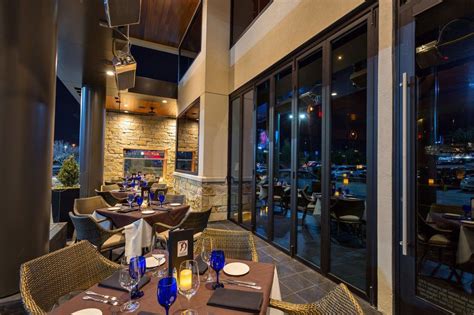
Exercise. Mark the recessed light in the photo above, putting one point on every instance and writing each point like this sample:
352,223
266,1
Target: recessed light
164,101
126,105
334,93
110,73
339,57
125,111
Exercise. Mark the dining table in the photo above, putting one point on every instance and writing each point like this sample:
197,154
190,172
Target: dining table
465,228
138,226
264,274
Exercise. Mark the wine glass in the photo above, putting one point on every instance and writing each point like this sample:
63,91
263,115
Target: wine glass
130,199
137,267
158,254
151,197
161,197
139,202
217,263
206,250
188,281
128,280
166,292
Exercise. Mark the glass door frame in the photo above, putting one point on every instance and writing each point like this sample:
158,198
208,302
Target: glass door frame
404,176
367,16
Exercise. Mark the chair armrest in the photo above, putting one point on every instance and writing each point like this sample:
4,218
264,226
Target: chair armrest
287,307
166,226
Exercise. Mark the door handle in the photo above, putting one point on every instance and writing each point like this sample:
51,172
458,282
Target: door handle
404,242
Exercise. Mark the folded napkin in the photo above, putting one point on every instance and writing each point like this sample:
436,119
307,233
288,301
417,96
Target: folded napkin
161,208
244,301
113,282
127,209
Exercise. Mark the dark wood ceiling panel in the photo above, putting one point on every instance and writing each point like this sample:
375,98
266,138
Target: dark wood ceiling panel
164,21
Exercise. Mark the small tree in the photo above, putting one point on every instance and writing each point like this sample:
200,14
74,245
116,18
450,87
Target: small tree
69,173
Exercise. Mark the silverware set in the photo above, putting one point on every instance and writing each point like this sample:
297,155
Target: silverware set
106,299
246,284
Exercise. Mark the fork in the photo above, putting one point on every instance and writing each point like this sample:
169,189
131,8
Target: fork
100,300
107,297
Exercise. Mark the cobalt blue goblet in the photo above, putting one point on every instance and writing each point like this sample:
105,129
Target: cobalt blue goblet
217,263
161,197
166,292
137,268
151,196
139,202
130,199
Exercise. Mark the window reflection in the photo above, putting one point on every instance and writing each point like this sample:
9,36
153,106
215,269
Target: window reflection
348,157
235,159
309,158
261,158
248,143
445,156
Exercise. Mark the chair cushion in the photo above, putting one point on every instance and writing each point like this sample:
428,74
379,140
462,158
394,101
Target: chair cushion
114,240
439,239
350,218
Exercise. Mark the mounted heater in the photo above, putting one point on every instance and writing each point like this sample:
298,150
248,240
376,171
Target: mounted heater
122,12
125,71
455,41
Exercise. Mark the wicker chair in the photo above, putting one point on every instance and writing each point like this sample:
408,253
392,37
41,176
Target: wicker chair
175,199
196,220
235,244
89,205
45,279
339,301
89,229
109,198
109,187
156,188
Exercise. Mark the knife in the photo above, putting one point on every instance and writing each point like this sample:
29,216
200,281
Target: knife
241,282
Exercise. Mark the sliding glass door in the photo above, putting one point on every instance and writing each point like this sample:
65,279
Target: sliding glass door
306,160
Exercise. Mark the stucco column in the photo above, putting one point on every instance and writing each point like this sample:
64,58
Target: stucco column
27,91
91,139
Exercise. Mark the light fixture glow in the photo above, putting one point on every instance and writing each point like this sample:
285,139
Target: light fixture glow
302,116
339,57
126,111
126,105
334,94
164,101
110,73
290,116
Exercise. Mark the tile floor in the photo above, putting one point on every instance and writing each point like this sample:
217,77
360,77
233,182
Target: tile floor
298,283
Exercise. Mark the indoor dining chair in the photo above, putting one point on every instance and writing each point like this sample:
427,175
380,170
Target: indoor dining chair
44,280
86,206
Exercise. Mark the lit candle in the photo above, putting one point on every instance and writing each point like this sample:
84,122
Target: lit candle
336,194
186,279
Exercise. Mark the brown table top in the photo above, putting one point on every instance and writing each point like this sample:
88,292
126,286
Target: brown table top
261,273
171,217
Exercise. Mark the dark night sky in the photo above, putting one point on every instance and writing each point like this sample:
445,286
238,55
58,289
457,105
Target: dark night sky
66,123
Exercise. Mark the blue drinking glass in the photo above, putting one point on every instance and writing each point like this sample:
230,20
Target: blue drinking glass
130,199
161,197
151,196
137,268
139,202
217,263
166,292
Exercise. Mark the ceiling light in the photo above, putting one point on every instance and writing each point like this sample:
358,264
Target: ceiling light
164,101
126,111
110,73
339,57
334,93
126,105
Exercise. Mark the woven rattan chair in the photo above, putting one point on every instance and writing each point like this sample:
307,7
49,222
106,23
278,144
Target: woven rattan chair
196,220
109,187
89,205
235,244
47,278
87,228
339,301
175,198
109,198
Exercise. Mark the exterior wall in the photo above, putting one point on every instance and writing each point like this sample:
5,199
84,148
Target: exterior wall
281,28
124,131
188,135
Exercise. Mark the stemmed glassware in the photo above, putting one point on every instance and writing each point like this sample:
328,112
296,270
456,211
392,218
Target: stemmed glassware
137,266
206,251
151,197
217,263
188,281
161,198
129,278
166,292
130,199
139,202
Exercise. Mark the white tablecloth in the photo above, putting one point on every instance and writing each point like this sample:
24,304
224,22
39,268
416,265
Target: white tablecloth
275,294
137,235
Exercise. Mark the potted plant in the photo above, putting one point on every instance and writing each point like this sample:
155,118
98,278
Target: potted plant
64,194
